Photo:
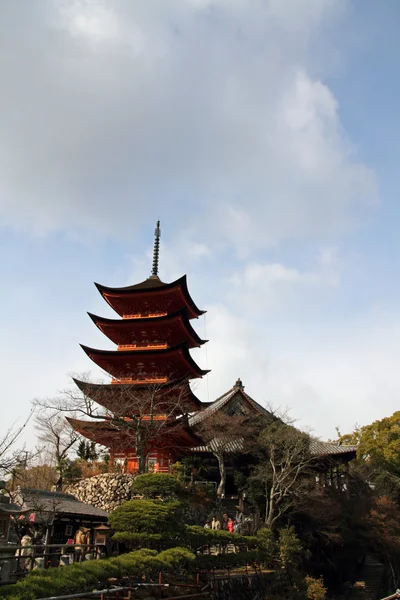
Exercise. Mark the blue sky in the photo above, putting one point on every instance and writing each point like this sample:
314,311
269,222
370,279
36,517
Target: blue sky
266,141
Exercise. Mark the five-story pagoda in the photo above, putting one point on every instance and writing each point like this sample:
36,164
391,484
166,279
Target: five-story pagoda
143,419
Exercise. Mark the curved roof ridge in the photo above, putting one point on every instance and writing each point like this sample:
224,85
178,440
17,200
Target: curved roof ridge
183,347
182,312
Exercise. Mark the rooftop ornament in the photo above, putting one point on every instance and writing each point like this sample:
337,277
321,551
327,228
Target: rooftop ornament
156,251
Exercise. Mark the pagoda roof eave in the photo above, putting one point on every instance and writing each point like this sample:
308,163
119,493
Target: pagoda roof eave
93,429
152,284
89,388
147,353
126,323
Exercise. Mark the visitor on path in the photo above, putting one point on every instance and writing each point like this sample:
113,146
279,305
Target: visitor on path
207,525
225,520
230,525
215,524
25,562
238,516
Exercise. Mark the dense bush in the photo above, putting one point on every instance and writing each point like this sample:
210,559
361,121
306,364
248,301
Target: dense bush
196,536
147,516
315,588
223,561
143,564
290,548
157,485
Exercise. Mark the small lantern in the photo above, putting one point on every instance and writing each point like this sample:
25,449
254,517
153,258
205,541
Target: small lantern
101,535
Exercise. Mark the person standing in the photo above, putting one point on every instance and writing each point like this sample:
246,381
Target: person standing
215,524
230,525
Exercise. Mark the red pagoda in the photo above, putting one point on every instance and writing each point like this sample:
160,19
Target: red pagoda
146,404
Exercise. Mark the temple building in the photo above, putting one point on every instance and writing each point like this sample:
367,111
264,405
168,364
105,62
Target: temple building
148,400
149,416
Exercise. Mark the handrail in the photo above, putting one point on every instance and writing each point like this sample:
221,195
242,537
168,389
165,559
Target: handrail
134,381
145,315
142,347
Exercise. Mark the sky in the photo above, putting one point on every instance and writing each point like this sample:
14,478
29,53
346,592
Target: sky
264,134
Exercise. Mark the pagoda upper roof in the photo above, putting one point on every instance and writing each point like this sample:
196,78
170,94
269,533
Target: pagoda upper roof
114,397
176,325
175,294
173,363
103,432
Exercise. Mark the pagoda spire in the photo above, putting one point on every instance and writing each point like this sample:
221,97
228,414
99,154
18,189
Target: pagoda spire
156,251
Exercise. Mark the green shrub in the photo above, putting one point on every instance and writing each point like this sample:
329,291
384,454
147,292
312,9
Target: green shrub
315,588
198,536
290,548
223,561
177,558
147,516
142,564
139,540
154,485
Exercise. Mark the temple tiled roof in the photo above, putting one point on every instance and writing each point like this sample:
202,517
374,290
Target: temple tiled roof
59,503
220,402
319,448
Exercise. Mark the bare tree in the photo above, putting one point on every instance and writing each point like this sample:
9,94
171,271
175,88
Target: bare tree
139,418
59,436
227,435
284,460
11,458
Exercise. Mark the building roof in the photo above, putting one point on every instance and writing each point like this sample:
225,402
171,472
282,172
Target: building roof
153,287
110,394
176,361
177,325
8,508
59,503
176,434
223,400
319,448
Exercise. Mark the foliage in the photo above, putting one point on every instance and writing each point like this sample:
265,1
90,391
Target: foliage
223,561
378,455
147,516
196,537
266,542
383,535
87,451
141,540
156,485
315,588
142,564
290,548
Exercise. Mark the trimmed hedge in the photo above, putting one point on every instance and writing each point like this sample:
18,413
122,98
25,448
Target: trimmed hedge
224,561
198,536
81,577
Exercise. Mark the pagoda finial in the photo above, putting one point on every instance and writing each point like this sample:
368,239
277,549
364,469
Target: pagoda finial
156,251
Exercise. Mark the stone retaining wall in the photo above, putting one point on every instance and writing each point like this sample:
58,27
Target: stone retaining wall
106,491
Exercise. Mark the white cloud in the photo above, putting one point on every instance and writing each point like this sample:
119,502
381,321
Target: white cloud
116,111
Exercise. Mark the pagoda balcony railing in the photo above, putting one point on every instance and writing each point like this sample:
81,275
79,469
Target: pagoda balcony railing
149,380
145,315
142,346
